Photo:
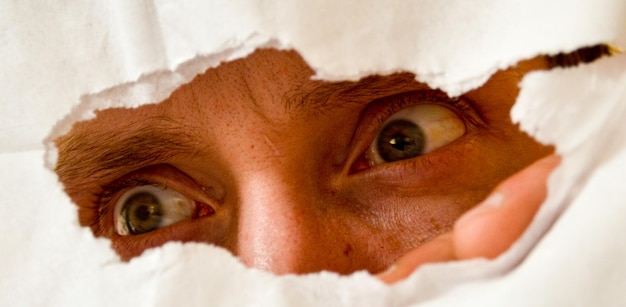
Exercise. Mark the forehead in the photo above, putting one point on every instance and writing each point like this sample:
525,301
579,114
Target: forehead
268,95
274,85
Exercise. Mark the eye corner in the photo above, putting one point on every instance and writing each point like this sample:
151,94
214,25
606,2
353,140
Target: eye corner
361,164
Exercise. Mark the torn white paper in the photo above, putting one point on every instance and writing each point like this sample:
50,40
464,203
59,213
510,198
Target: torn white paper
62,62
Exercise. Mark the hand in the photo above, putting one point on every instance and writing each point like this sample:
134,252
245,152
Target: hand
487,230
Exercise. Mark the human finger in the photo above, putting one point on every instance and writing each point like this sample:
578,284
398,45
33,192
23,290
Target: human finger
490,228
438,250
487,230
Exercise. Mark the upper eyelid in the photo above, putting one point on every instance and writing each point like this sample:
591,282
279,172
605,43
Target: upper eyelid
401,101
468,106
392,104
110,194
112,189
162,176
379,110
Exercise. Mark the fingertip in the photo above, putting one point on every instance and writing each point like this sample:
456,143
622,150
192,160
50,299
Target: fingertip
390,275
437,250
476,234
494,225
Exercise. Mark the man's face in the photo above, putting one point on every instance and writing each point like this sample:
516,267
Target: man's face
290,174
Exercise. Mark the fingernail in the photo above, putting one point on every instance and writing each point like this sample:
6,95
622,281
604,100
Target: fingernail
494,200
390,270
388,275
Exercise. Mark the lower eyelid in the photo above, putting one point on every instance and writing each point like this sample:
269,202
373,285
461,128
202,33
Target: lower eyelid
435,165
174,206
461,107
195,230
378,111
161,176
134,245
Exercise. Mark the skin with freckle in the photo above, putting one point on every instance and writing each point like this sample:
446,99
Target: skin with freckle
281,160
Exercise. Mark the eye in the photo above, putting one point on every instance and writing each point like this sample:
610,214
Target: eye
146,208
415,131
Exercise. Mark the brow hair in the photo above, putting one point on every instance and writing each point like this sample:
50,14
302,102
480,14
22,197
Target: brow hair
319,96
86,158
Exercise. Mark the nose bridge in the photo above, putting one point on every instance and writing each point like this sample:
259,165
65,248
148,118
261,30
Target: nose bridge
276,221
284,219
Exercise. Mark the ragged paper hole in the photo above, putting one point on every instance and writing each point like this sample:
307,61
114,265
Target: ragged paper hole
279,169
582,55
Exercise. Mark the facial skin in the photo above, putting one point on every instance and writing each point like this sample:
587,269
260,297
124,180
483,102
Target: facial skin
277,169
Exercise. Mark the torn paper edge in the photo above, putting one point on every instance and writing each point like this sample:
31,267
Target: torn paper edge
171,80
154,87
160,84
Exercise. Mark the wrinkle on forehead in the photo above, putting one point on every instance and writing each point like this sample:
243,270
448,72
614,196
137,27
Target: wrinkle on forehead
95,151
320,96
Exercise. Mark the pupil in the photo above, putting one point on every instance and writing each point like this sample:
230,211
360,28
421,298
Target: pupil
142,212
399,140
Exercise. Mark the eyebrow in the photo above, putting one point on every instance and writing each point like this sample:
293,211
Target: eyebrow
322,96
89,156
94,155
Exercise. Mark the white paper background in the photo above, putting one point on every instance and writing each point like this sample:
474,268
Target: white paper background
63,59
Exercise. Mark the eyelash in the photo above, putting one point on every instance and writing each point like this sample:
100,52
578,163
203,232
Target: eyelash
111,191
460,106
385,107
